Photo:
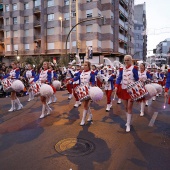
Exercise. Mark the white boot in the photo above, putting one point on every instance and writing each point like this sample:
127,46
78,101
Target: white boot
119,101
70,96
29,99
142,109
50,100
154,98
12,106
43,112
90,116
54,99
77,104
32,95
146,104
20,106
83,118
129,116
48,109
108,108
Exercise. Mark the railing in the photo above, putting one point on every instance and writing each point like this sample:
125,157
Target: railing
37,9
123,10
1,27
1,39
122,37
123,24
1,13
121,50
37,50
36,22
38,36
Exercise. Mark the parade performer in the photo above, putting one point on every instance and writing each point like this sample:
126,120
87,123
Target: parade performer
30,73
69,75
119,101
167,86
14,75
109,86
45,78
100,72
53,98
94,69
143,76
127,75
86,78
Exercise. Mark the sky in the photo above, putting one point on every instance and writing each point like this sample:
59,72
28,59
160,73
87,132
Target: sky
158,21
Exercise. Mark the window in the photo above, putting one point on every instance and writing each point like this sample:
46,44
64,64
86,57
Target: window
88,28
6,8
50,17
88,0
15,33
26,19
37,3
27,46
89,13
66,16
73,1
15,20
14,7
7,34
50,46
74,43
26,33
137,45
73,13
15,47
66,2
50,31
7,21
8,47
50,3
137,37
89,43
26,5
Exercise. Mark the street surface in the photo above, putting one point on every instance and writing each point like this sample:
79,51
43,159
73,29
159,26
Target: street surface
28,143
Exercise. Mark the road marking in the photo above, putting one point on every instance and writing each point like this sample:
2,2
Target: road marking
152,121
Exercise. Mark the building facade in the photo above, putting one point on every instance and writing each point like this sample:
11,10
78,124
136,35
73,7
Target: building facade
40,28
140,37
162,52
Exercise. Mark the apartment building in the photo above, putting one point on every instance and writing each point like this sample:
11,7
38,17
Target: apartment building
40,28
140,37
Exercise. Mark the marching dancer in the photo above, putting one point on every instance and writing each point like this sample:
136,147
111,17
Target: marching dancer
30,73
143,76
86,78
167,86
45,78
109,86
127,75
14,74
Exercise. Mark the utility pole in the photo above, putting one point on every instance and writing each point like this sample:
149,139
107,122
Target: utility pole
70,6
77,27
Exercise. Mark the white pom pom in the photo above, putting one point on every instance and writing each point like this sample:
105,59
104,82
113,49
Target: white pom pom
151,91
56,84
46,90
157,87
95,93
17,86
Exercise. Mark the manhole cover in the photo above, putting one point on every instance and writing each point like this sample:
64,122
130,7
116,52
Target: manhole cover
74,147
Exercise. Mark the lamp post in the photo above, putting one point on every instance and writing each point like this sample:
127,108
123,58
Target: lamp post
61,31
18,57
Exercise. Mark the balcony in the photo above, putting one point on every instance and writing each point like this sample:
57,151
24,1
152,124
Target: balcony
37,37
1,40
122,37
37,23
122,50
37,50
1,27
1,14
1,1
37,9
123,10
123,24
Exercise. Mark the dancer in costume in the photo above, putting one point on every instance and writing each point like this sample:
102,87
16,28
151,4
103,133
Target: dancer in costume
167,86
86,78
127,75
13,75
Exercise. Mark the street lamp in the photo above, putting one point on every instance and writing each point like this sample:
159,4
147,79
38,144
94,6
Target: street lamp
61,24
18,57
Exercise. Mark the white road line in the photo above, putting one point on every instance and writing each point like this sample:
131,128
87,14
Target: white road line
152,121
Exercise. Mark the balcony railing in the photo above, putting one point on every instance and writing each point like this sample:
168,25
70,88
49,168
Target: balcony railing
37,37
123,10
122,50
37,50
123,24
1,27
37,23
1,39
37,9
122,37
2,52
1,13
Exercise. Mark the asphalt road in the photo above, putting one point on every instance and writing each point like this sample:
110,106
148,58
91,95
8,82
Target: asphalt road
28,143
